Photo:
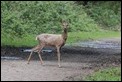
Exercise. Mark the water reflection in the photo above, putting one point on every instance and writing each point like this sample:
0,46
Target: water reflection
98,44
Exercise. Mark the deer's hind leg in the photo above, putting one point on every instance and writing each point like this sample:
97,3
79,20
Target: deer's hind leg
33,49
29,57
40,51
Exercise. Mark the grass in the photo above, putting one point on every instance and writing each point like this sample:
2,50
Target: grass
80,36
29,40
109,74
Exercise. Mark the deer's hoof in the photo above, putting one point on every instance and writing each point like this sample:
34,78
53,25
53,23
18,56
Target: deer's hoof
59,66
41,63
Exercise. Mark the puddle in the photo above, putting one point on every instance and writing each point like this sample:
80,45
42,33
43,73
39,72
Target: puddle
98,44
10,58
19,58
87,44
29,50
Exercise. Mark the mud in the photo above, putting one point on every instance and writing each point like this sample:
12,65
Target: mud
76,62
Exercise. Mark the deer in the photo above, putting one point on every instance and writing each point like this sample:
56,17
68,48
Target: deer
53,40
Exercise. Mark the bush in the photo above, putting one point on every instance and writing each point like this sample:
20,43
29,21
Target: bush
108,74
106,13
35,17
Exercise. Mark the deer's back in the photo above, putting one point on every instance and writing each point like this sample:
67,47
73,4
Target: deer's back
50,39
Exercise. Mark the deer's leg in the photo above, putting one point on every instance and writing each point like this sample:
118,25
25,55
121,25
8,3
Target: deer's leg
29,57
40,57
40,54
58,54
34,49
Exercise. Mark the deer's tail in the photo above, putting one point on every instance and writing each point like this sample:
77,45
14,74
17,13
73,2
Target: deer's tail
36,37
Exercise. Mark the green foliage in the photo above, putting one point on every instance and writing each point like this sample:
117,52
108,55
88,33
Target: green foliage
81,36
26,40
26,18
109,74
35,17
29,40
106,13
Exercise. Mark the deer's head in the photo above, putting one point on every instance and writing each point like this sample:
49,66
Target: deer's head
65,24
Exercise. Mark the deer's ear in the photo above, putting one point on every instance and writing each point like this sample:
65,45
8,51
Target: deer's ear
62,21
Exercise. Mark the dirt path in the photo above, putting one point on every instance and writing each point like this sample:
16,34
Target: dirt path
76,62
20,71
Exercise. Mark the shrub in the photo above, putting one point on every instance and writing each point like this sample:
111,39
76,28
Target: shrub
106,13
35,17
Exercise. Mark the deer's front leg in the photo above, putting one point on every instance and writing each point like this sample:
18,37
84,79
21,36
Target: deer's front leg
58,54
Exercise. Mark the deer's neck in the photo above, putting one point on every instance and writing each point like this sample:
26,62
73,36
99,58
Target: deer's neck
64,34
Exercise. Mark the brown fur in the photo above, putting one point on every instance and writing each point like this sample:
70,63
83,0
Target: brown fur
56,40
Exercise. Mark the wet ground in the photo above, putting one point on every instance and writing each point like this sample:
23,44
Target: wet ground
77,61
